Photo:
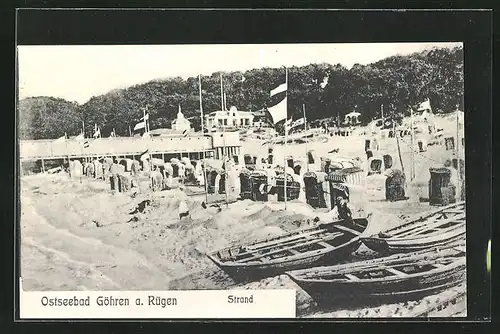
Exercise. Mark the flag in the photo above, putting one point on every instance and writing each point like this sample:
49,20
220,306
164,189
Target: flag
140,125
298,122
145,117
145,155
280,89
279,112
426,105
97,132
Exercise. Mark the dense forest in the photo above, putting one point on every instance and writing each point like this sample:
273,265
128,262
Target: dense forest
326,91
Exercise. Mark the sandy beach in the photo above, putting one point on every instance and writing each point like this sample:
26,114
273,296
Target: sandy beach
77,235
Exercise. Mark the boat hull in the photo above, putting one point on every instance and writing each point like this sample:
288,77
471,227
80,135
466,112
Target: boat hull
390,246
333,243
437,228
389,289
242,273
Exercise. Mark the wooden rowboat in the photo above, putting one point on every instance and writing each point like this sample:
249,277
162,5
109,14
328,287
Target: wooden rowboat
394,278
436,228
322,244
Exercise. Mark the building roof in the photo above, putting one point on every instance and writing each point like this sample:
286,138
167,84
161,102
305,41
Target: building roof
165,132
233,109
353,113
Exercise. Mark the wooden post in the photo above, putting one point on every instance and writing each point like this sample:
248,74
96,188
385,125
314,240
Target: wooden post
43,166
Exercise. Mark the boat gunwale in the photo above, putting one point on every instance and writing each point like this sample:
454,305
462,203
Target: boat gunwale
459,262
418,239
452,250
289,258
424,217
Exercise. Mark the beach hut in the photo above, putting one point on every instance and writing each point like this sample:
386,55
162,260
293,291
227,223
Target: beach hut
441,190
375,166
76,168
422,144
371,144
449,143
259,185
245,184
211,181
270,156
352,118
314,192
98,170
220,182
395,185
175,166
249,162
124,182
342,181
387,161
124,163
89,169
298,167
292,186
212,169
135,168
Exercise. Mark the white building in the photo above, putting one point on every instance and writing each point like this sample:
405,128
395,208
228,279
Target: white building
181,123
233,118
352,118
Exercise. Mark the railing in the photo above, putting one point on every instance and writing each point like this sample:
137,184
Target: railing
38,149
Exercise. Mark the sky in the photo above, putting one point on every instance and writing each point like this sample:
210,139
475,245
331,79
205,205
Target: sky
76,73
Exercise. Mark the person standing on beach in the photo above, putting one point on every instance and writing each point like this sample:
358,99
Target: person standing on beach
343,210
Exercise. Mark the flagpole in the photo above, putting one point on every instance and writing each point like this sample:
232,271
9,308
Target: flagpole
144,119
222,109
412,172
286,133
203,134
382,112
305,132
221,94
458,157
397,141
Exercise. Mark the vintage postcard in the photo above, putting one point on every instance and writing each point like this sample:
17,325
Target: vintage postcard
256,181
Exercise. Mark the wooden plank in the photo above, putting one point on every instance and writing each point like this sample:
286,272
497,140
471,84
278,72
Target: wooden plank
346,229
298,241
396,272
453,211
294,251
351,277
326,245
410,228
422,258
433,213
259,245
280,250
424,227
